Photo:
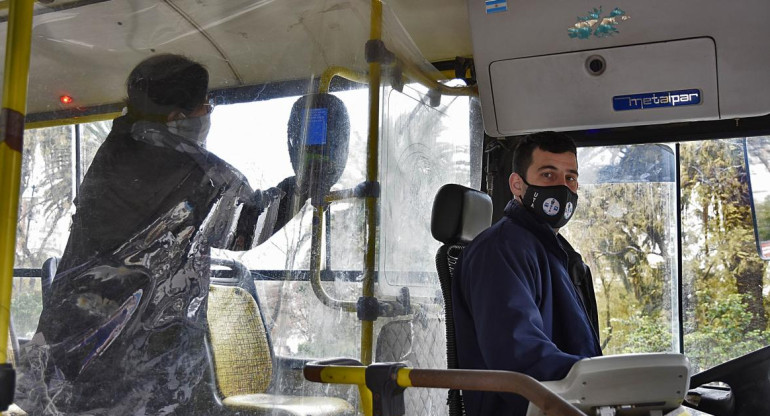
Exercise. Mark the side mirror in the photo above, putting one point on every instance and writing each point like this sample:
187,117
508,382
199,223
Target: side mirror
757,151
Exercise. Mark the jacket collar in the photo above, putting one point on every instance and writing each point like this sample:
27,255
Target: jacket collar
522,217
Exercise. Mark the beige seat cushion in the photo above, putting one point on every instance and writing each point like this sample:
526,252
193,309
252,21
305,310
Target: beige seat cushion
14,410
269,404
243,362
239,343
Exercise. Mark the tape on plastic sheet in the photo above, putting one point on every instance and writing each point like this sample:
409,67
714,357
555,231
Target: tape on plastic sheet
12,129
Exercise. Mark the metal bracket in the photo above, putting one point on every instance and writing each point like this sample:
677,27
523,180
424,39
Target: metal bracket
396,76
362,190
387,395
400,307
375,51
462,67
370,308
367,308
434,98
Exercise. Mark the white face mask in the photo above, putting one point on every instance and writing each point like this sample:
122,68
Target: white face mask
194,129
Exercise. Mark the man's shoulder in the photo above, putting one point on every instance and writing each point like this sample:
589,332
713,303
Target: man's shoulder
506,237
505,229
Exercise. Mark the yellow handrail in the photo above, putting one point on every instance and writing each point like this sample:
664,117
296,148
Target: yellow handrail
318,212
412,72
75,120
477,380
342,374
315,264
17,48
340,71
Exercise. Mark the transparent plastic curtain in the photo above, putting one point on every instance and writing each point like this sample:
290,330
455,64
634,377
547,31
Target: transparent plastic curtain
179,249
627,205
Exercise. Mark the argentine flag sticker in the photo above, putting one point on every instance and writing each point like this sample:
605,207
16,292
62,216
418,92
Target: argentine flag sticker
496,6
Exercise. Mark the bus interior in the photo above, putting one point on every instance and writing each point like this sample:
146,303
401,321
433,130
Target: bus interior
667,102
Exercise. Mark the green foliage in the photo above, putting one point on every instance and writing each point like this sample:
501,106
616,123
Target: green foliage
639,333
723,332
46,194
723,275
628,249
45,207
630,246
46,190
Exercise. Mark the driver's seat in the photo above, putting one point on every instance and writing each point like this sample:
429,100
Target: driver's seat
459,215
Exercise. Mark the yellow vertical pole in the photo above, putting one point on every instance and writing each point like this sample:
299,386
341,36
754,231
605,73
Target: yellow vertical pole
17,51
372,173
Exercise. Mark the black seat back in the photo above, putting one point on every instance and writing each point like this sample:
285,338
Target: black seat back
459,215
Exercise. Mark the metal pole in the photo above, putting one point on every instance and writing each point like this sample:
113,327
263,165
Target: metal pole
372,173
11,142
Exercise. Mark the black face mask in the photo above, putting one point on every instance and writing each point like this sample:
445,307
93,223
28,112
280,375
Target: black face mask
554,204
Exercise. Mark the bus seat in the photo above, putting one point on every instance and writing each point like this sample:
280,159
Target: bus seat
242,353
459,214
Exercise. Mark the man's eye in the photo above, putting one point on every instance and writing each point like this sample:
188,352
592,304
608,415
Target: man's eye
571,178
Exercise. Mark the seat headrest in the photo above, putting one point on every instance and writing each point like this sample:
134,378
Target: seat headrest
459,214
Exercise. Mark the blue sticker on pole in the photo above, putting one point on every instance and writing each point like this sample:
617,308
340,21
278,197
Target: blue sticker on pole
644,101
496,6
316,126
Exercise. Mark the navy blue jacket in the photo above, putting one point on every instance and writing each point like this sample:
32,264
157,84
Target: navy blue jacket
516,308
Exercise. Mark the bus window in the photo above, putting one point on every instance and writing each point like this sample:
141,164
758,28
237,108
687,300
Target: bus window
627,234
45,207
724,280
53,166
253,138
423,148
624,227
92,135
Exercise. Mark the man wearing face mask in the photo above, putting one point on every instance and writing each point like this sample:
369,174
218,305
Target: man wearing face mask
523,298
124,325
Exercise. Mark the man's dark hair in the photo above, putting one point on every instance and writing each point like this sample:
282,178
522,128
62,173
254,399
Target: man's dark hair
165,83
548,141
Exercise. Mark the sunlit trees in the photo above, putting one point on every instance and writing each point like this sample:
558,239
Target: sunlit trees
45,206
626,232
46,194
624,228
724,299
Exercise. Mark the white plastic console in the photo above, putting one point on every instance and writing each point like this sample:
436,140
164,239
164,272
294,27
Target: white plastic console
624,385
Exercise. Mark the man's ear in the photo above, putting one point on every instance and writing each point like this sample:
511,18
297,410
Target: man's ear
516,184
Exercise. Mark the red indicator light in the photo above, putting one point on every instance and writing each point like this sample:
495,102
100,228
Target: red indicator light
65,99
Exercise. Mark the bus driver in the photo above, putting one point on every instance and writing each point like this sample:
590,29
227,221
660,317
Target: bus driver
523,298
